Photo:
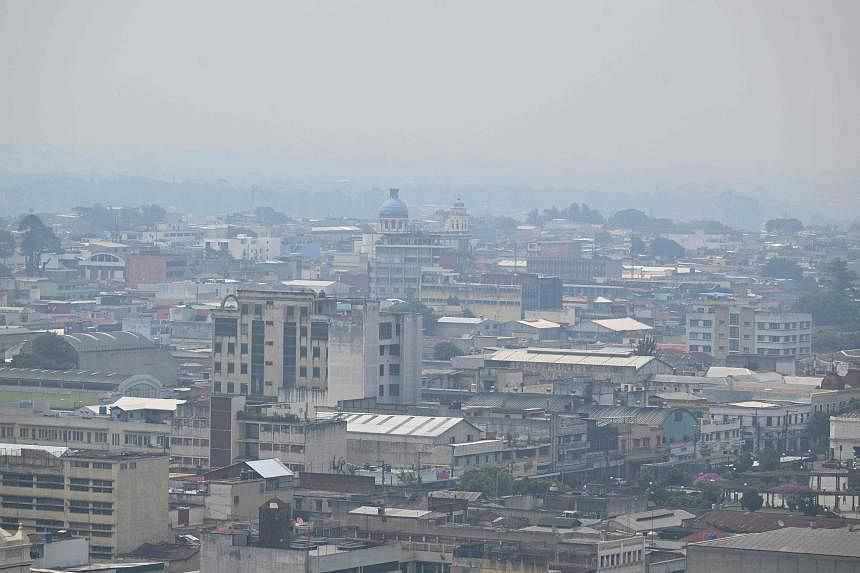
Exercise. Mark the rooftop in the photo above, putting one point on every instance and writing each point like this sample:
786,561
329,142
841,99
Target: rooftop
271,468
557,356
396,425
622,324
391,512
801,540
460,320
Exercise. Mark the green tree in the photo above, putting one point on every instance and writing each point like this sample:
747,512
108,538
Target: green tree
630,219
744,462
446,350
664,248
751,500
7,244
492,482
768,459
38,240
47,352
637,246
782,268
783,226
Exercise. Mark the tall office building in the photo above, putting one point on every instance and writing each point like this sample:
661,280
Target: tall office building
287,345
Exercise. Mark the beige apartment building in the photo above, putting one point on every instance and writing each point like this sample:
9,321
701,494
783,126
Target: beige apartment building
117,501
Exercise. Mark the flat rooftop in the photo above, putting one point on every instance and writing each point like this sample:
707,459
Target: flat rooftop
801,540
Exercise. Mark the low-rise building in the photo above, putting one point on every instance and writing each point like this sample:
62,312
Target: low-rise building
788,549
845,436
772,424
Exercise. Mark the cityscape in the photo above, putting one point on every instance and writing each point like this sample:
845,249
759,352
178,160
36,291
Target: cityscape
270,360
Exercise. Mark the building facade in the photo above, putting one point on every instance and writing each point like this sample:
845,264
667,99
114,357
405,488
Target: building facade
722,329
117,501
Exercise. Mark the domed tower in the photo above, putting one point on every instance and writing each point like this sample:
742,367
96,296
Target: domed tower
393,215
458,219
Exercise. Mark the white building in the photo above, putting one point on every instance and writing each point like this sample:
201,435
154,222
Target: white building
245,247
845,436
776,424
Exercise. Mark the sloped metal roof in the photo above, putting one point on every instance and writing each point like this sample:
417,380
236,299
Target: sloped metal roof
803,540
401,425
271,468
528,355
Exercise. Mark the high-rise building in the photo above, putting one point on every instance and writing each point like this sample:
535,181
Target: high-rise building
724,328
277,345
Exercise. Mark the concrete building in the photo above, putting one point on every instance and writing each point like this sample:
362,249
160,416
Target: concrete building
140,425
788,549
15,551
155,268
724,328
570,261
117,501
247,248
775,424
845,436
491,301
400,254
269,344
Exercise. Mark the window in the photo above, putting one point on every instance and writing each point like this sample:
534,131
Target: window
236,497
381,392
243,389
217,387
394,389
303,372
316,372
217,368
231,368
385,331
382,350
231,348
230,387
382,369
243,369
243,348
316,351
394,350
394,369
218,347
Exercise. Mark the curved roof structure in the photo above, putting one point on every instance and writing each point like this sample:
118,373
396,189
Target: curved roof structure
102,341
394,207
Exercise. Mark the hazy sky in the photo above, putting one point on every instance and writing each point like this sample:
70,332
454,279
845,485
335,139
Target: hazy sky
761,86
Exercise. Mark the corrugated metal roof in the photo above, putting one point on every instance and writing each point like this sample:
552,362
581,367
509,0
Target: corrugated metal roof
271,468
460,320
644,416
804,540
530,356
398,424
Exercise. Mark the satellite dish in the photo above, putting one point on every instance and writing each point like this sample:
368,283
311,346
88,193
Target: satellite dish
841,369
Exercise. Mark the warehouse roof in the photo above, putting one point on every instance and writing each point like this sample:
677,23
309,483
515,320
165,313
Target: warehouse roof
558,356
130,404
101,341
803,540
460,320
397,425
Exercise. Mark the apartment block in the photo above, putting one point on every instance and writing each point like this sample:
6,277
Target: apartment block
724,328
117,501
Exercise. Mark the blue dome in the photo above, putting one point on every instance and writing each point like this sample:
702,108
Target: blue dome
394,208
